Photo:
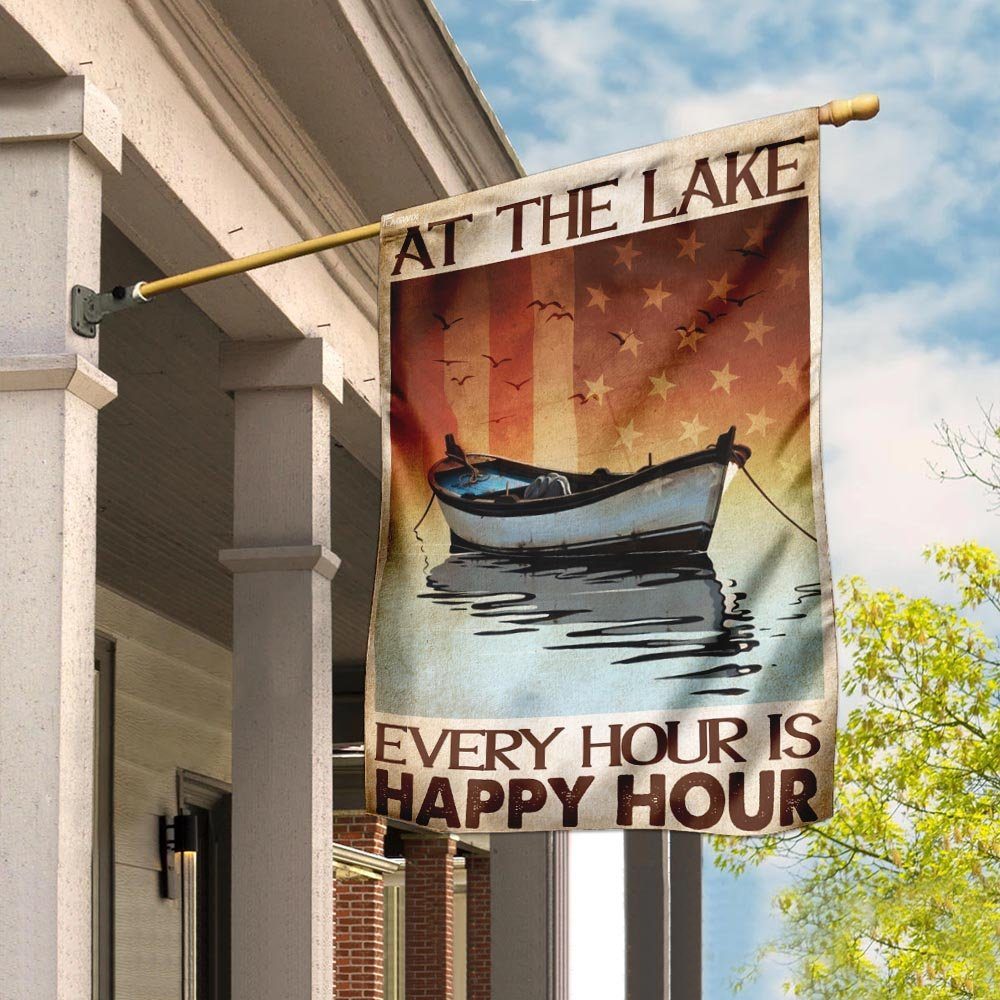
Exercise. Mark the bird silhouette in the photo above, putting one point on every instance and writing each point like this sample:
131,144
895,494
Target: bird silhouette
690,329
561,315
506,416
448,361
517,385
710,317
447,324
743,251
463,379
746,298
580,396
617,336
544,305
493,361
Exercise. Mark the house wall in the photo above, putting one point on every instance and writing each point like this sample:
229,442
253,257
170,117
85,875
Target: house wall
172,711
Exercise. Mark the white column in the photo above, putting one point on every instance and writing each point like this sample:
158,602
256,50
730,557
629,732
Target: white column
662,915
57,137
282,875
529,916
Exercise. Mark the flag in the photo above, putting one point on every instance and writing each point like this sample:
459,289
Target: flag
603,595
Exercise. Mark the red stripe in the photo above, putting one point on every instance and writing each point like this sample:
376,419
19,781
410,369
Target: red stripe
512,330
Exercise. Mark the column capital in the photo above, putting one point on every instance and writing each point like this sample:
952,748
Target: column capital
277,558
71,372
282,364
68,108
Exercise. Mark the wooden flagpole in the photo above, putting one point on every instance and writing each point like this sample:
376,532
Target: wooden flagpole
89,307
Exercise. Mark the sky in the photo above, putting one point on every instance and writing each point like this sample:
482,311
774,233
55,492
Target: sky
910,247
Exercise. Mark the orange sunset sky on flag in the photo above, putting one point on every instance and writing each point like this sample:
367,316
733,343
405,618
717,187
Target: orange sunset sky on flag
607,353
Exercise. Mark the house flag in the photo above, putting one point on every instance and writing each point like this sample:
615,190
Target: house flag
603,597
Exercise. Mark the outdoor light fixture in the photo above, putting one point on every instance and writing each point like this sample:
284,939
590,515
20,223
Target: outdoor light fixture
178,837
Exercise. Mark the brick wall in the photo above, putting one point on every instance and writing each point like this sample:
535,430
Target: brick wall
430,916
358,907
477,896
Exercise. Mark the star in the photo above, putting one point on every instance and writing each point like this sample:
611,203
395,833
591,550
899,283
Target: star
756,236
625,254
630,343
598,297
757,329
724,378
789,276
627,435
597,389
661,385
720,288
759,423
693,429
655,296
689,246
790,374
690,338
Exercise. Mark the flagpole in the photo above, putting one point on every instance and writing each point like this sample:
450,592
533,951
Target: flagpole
88,307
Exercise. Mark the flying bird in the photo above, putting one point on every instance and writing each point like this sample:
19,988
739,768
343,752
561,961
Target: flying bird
447,324
617,336
747,253
710,317
493,361
463,379
580,396
517,385
689,329
544,305
746,298
561,315
506,416
448,361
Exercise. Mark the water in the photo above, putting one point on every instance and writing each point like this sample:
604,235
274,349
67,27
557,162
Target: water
626,611
480,636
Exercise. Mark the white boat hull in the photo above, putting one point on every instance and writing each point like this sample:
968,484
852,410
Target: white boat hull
672,512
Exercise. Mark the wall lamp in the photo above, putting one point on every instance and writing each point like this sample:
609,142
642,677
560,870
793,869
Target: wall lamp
178,837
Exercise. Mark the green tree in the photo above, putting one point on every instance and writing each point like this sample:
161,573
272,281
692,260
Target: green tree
898,895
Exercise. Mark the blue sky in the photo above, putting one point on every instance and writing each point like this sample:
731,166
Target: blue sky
911,247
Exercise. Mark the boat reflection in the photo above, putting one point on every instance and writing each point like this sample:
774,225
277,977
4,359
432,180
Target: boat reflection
639,607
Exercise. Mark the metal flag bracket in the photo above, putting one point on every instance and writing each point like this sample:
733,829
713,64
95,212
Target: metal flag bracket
88,308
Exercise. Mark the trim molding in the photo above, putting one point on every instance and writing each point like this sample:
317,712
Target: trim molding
281,558
403,44
201,49
70,372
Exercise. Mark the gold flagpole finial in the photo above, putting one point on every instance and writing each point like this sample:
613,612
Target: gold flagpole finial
857,109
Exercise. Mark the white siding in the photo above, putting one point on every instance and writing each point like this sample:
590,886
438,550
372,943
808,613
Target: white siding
172,711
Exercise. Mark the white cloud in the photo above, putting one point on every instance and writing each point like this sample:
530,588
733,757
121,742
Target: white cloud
891,372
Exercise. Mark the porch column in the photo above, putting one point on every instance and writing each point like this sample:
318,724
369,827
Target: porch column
430,916
359,970
282,875
530,916
478,958
57,138
662,915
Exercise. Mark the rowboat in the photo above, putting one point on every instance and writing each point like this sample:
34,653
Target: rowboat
499,505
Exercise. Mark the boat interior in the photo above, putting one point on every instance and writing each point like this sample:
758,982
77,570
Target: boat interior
500,480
